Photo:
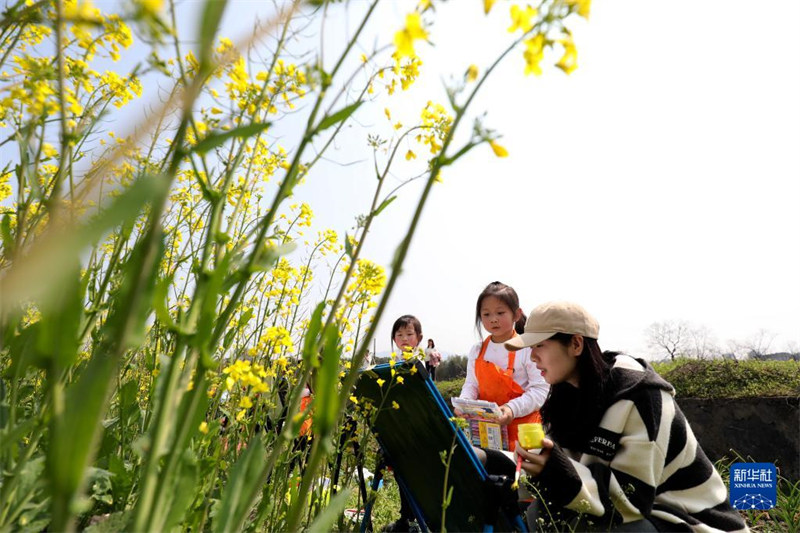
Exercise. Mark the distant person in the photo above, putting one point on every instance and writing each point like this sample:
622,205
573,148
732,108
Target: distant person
496,374
618,448
432,359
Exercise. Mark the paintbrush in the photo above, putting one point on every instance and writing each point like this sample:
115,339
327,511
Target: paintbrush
515,485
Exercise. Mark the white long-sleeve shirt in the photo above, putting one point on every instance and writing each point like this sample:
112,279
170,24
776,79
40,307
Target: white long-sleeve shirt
525,374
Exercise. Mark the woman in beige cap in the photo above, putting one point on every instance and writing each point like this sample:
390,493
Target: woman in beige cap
620,455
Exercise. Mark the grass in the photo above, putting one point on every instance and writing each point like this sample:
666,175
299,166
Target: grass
725,378
386,508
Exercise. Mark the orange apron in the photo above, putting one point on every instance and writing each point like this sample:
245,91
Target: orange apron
498,386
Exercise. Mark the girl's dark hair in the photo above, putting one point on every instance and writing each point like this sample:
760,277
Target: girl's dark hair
407,320
433,344
505,294
571,414
519,325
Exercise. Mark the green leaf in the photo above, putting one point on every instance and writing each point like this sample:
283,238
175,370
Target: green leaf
234,508
348,247
310,342
73,434
326,401
384,205
185,488
129,407
340,116
209,291
10,437
24,353
57,340
212,16
270,255
218,139
160,298
5,233
324,521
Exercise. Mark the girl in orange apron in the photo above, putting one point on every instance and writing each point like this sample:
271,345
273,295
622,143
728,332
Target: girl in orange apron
498,386
498,311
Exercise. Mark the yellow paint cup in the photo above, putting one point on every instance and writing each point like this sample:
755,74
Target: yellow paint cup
530,435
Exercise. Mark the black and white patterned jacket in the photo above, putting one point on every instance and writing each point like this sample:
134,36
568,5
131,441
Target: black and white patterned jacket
642,461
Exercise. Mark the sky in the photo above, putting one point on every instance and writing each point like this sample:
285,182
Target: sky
657,182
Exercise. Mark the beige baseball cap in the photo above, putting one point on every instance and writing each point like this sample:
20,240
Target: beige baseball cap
555,317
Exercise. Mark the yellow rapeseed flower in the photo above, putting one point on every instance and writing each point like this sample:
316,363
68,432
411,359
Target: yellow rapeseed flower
404,39
472,73
203,428
521,18
395,405
533,54
380,382
582,7
487,5
410,155
498,150
569,61
151,6
5,188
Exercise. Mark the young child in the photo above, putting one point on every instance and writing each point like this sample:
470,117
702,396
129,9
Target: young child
495,374
406,336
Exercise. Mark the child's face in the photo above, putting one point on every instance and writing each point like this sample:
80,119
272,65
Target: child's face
406,338
497,318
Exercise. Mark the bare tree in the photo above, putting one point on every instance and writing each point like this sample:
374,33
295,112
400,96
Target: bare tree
702,343
793,349
671,336
758,345
737,349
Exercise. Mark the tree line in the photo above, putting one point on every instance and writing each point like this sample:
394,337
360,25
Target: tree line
679,338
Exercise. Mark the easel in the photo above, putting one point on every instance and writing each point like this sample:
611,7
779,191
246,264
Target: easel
425,449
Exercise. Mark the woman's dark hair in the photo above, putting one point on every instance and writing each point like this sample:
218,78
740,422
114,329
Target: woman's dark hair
431,343
571,414
505,294
407,320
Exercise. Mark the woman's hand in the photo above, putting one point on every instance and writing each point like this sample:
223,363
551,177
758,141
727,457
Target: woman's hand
533,463
507,417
